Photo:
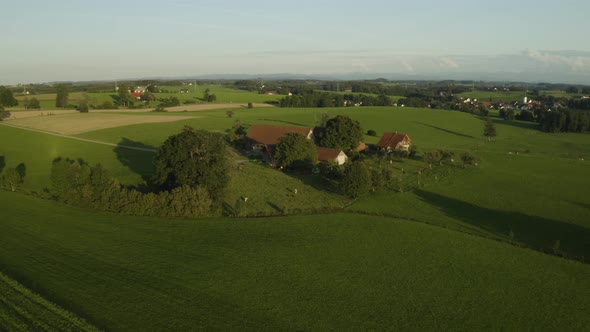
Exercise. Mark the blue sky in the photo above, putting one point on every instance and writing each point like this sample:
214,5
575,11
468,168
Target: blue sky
84,40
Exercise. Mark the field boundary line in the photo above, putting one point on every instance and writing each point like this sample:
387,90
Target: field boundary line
78,138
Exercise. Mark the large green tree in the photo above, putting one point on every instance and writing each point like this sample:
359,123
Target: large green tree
7,98
193,158
62,95
296,151
341,132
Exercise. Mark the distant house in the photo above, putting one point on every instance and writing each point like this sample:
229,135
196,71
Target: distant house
394,142
265,137
328,154
136,95
140,89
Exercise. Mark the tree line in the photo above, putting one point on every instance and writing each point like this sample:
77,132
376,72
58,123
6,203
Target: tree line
326,99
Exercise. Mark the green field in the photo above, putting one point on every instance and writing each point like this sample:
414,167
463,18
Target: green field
22,310
224,95
341,271
425,259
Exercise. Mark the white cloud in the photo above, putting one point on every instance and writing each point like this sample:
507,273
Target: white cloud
449,63
574,62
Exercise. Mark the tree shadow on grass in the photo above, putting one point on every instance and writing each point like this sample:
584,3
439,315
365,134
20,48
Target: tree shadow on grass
446,130
138,161
535,232
2,163
519,124
286,122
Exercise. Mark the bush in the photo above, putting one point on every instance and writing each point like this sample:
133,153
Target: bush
250,105
4,114
356,181
371,132
160,109
468,159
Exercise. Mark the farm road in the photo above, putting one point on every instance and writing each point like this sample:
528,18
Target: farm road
78,138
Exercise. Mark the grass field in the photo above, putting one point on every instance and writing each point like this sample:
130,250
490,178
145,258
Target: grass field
342,271
352,270
77,123
22,310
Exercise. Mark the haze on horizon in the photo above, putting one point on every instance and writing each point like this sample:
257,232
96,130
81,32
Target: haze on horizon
68,40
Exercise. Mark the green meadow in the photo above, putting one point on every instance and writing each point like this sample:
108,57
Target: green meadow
337,271
452,253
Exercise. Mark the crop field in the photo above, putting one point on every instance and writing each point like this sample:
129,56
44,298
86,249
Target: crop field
342,271
388,260
22,310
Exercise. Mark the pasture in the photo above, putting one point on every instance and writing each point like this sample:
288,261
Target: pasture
436,257
22,310
339,271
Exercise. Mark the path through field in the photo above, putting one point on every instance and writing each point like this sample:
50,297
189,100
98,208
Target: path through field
78,138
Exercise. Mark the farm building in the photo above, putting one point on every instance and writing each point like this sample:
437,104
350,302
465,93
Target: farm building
327,155
394,141
262,137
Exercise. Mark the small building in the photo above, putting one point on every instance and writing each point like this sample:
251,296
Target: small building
263,137
328,154
394,142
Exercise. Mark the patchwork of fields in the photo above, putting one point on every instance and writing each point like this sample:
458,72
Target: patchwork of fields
426,259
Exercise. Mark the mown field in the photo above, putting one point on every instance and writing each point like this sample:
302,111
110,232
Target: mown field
22,310
341,271
390,260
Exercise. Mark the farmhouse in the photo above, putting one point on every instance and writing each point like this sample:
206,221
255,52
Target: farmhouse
265,137
394,142
327,155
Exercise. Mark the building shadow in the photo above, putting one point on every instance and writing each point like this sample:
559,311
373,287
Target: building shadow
445,130
535,232
138,157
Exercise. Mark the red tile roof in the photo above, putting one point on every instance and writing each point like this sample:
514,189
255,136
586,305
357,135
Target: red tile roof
326,154
391,140
269,135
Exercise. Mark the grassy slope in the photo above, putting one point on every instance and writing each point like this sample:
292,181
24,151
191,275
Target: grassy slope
22,310
311,272
539,195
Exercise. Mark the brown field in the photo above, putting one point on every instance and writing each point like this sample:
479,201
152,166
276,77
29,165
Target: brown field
77,123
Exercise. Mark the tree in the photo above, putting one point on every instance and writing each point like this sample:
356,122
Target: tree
206,94
124,95
296,151
32,103
7,98
193,158
341,132
489,129
147,96
356,180
62,95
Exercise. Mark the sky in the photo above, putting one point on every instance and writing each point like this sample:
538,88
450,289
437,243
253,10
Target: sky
74,40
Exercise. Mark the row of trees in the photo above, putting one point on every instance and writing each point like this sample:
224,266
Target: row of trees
557,121
77,183
11,178
191,174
